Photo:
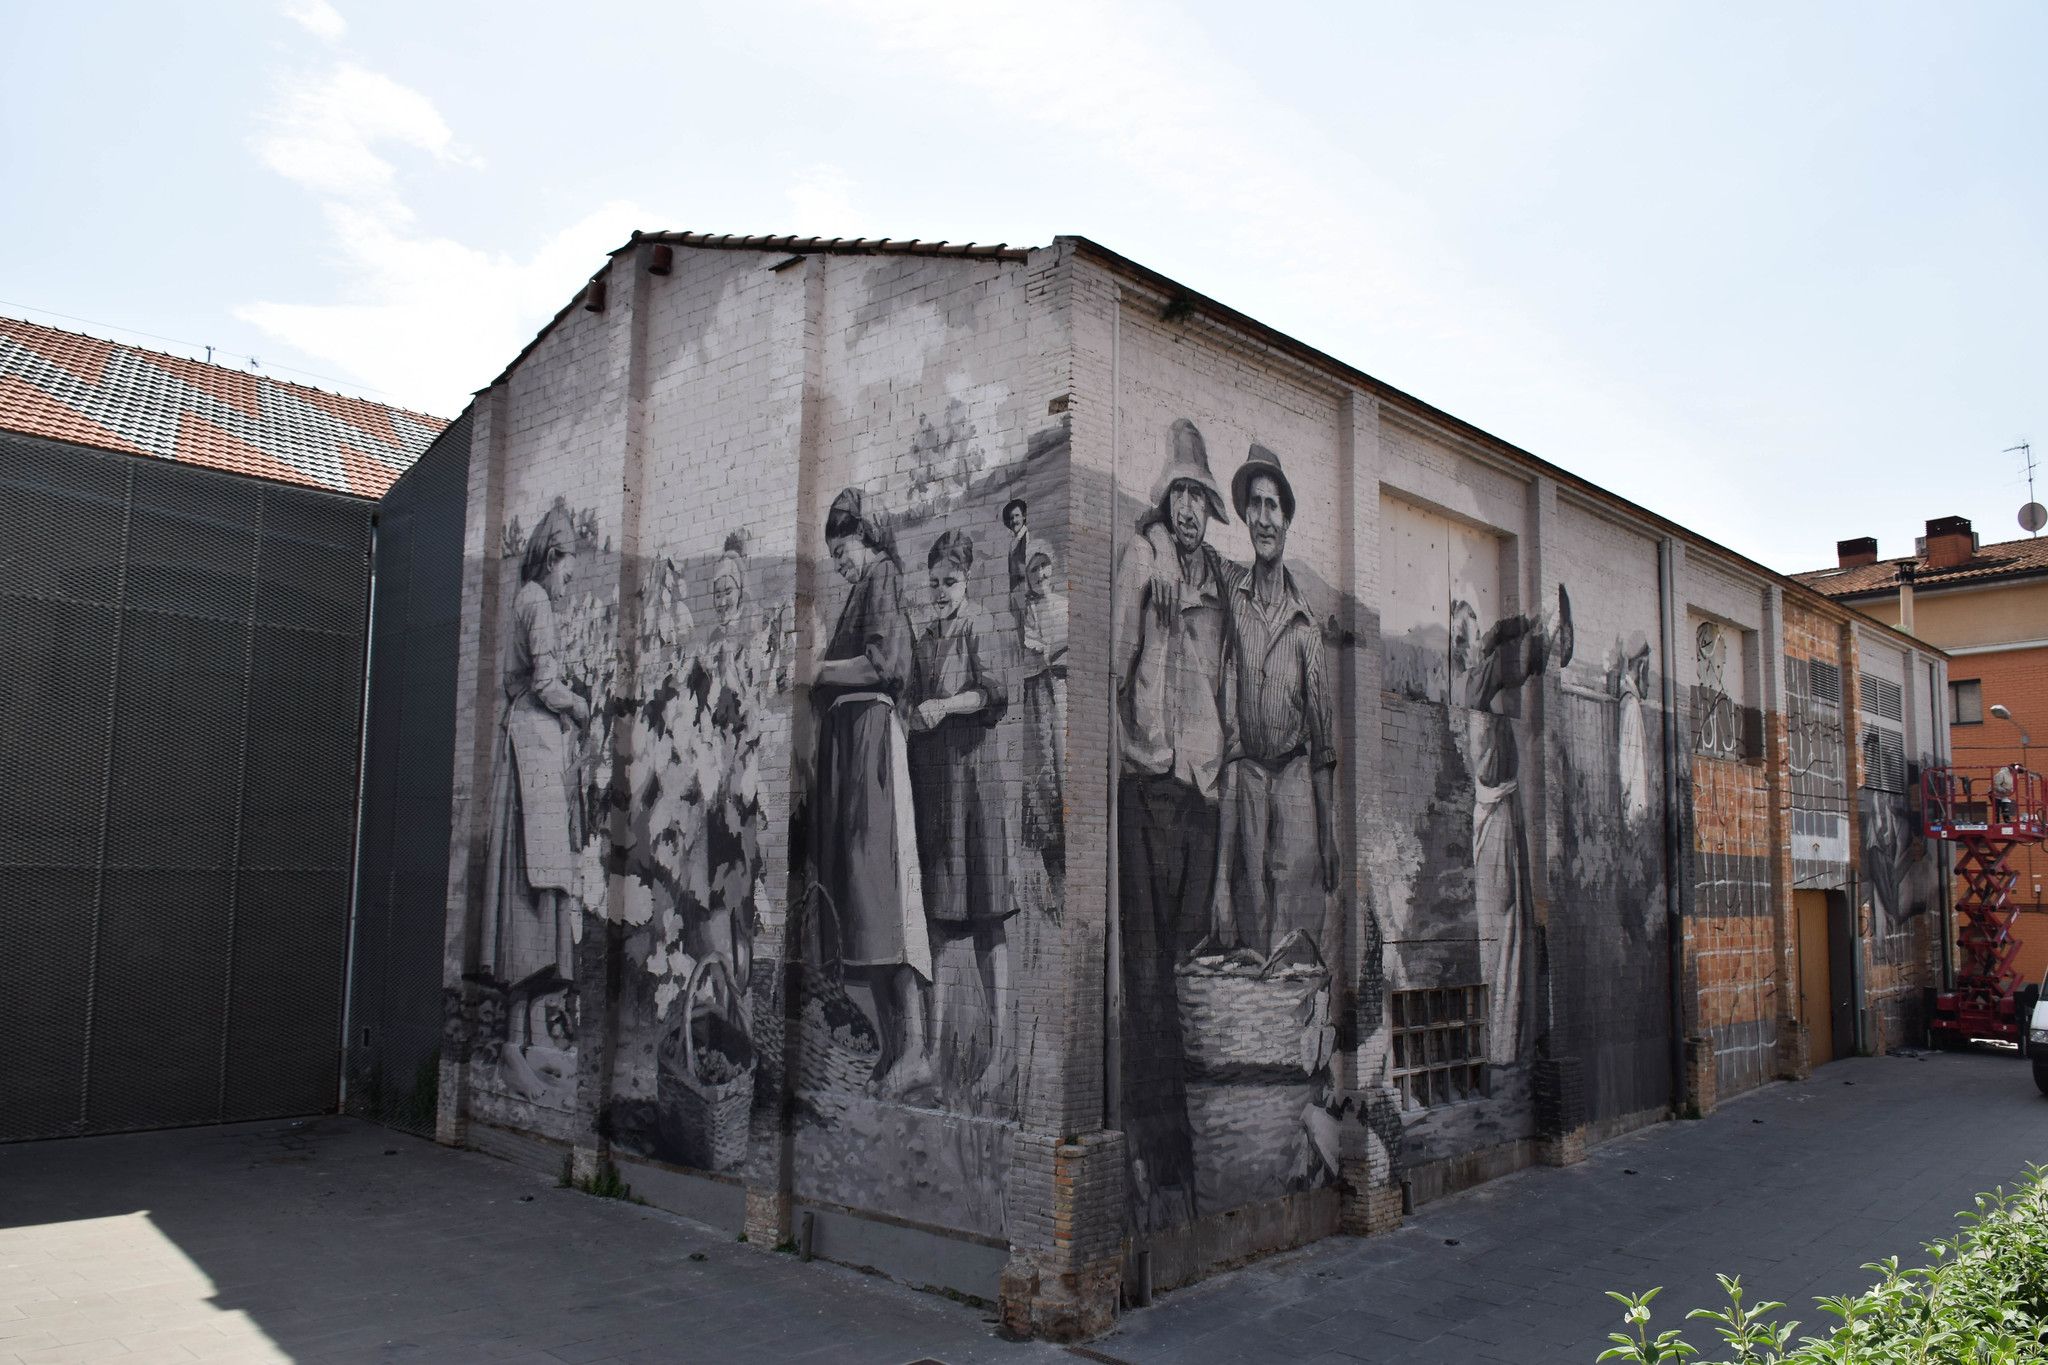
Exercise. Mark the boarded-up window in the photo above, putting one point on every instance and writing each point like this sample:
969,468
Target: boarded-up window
1431,568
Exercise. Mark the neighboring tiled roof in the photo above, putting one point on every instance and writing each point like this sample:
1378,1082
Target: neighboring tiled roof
2010,558
850,246
70,387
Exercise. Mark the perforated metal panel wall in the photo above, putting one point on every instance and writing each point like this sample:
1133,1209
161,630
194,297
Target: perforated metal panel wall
395,1014
179,723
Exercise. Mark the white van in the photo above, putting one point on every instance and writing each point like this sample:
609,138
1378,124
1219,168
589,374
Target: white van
2037,1037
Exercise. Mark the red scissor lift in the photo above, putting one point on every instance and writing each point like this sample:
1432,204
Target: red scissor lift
1973,809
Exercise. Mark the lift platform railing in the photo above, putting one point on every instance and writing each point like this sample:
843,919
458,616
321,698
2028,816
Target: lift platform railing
1998,802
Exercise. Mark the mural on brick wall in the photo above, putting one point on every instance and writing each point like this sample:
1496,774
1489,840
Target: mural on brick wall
1228,861
626,893
556,678
1463,674
927,839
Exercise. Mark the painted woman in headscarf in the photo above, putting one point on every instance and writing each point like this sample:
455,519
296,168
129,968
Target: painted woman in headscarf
530,903
864,853
963,830
1042,630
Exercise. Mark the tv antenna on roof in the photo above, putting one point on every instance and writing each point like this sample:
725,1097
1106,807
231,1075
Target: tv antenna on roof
2033,516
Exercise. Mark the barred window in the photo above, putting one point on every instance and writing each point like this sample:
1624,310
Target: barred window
1439,1045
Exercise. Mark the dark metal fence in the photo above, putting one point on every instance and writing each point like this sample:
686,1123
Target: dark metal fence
179,721
395,1014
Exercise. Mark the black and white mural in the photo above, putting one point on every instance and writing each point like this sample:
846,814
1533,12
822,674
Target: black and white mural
923,756
1229,865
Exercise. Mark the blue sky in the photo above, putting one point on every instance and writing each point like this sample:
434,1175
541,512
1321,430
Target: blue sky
1775,271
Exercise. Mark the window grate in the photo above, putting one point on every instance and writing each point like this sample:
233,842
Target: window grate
1439,1045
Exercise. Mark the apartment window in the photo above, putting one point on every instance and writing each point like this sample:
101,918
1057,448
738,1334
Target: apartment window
1966,702
1439,1040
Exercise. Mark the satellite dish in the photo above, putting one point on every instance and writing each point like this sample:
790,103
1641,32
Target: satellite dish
2033,517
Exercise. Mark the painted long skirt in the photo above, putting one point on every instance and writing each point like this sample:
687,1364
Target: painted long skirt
1503,892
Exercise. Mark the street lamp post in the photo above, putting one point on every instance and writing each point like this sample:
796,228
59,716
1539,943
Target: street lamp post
2005,714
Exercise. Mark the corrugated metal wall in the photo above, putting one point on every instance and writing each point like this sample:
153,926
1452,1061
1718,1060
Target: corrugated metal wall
395,1014
179,723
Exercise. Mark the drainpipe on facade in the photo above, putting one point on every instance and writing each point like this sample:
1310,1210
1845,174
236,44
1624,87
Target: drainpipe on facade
1112,936
355,861
1674,908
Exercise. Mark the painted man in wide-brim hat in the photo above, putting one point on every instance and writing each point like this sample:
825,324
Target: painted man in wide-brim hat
1277,843
1169,653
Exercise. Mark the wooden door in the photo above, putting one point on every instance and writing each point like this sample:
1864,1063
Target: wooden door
1816,980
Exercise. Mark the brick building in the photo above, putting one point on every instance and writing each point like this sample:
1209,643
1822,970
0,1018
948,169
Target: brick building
997,767
1987,607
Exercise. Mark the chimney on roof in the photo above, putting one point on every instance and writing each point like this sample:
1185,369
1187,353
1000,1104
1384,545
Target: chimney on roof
1854,554
1950,542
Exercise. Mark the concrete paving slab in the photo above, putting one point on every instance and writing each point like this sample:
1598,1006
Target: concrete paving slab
305,1242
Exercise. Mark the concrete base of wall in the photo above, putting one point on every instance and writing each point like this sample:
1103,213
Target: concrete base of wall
1447,1175
919,1257
1219,1241
924,1258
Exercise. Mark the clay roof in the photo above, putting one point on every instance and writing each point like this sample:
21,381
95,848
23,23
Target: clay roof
2007,559
66,386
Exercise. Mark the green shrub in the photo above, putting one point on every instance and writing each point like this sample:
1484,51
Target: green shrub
1982,1300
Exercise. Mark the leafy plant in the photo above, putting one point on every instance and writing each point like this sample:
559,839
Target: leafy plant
1982,1300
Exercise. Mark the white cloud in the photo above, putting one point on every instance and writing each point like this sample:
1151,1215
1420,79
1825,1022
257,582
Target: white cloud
324,132
437,319
822,200
426,319
317,17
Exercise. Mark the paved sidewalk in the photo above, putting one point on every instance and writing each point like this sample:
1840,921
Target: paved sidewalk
333,1240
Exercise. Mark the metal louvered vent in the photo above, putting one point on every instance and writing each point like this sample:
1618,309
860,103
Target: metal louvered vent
177,790
395,988
1825,681
1882,698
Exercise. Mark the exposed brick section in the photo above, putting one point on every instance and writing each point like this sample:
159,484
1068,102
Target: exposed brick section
1702,1092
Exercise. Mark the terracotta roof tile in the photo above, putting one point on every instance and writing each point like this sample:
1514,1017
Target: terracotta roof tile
71,387
29,410
201,442
2005,559
365,475
83,356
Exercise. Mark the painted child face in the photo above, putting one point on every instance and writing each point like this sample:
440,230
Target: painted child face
949,589
850,555
1265,516
725,597
1041,579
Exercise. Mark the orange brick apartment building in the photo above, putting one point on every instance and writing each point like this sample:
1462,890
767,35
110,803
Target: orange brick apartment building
1987,606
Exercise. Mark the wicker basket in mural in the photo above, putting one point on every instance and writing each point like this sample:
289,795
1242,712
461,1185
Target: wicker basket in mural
837,1047
705,1074
1234,1015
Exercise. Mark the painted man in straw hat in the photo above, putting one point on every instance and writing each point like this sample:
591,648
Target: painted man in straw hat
1169,638
1277,842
